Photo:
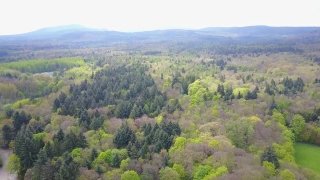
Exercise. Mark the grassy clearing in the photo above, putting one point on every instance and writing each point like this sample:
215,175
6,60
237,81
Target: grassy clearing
308,156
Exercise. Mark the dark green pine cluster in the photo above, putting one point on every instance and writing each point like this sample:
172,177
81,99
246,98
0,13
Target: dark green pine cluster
158,136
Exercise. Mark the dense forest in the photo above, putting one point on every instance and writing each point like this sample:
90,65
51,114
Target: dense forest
197,108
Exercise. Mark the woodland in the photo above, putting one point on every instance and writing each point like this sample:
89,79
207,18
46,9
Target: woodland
198,107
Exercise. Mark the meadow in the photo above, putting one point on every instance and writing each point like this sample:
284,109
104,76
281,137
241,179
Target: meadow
308,156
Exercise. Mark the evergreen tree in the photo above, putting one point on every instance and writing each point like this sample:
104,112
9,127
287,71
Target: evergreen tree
144,150
7,135
270,156
26,150
134,112
38,166
49,149
94,154
115,161
166,161
67,169
124,135
47,172
133,152
56,105
59,136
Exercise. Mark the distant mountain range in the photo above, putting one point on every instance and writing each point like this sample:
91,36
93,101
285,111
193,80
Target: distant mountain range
82,33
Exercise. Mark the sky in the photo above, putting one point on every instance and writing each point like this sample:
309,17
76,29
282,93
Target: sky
19,16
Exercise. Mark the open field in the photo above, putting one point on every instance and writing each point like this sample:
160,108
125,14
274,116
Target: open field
308,156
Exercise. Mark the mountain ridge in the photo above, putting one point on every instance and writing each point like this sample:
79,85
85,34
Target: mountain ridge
75,32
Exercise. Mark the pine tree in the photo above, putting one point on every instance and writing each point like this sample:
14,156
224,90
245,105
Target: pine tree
47,172
270,156
166,161
26,150
60,135
7,135
115,162
49,149
134,112
56,105
94,154
38,166
68,169
144,150
124,135
133,152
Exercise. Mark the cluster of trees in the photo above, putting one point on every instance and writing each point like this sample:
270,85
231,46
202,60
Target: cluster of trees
129,90
157,137
38,66
256,49
220,63
34,158
289,86
152,52
27,86
228,93
311,116
317,60
317,80
184,81
9,133
292,85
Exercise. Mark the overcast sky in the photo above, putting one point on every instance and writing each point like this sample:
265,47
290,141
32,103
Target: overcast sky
18,16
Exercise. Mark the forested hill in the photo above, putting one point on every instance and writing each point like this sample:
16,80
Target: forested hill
261,30
81,33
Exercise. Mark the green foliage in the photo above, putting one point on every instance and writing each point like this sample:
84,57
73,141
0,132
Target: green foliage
287,175
38,167
240,132
26,149
37,66
39,136
214,173
130,89
115,161
201,172
124,164
169,173
287,133
124,136
7,135
179,143
269,155
13,164
8,91
270,167
278,117
76,152
130,175
297,125
285,151
20,103
181,171
68,168
214,143
105,156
